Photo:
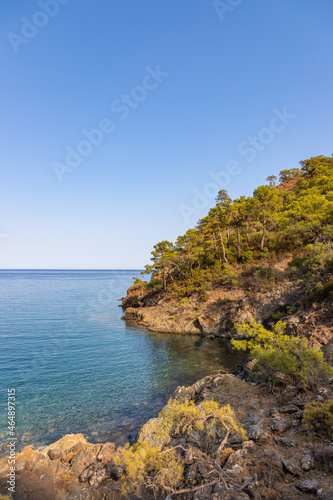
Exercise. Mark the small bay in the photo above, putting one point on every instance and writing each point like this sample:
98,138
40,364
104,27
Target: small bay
77,367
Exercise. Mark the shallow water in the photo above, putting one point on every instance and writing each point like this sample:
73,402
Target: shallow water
77,367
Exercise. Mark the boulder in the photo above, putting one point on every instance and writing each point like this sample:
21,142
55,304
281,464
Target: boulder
280,425
308,486
55,453
307,461
106,453
291,467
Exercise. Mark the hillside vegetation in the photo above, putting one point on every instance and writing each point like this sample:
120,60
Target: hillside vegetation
239,241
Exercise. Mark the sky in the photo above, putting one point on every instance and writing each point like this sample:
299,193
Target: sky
120,120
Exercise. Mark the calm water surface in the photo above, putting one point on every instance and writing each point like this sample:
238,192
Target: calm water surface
77,367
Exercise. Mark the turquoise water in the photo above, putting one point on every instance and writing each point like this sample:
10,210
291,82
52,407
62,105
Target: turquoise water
77,367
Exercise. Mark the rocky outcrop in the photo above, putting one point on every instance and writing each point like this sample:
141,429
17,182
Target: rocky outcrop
277,461
215,316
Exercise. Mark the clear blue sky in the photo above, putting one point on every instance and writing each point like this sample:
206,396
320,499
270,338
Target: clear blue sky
221,76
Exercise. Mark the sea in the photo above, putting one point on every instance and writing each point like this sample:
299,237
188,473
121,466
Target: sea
77,367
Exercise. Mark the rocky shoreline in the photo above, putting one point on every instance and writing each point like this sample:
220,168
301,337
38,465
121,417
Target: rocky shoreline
278,461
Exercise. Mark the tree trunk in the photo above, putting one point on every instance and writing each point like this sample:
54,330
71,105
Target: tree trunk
164,280
247,238
263,234
216,249
228,237
223,247
238,242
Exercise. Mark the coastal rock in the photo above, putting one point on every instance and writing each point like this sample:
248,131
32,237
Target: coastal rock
85,457
65,443
115,471
150,433
106,453
32,461
55,453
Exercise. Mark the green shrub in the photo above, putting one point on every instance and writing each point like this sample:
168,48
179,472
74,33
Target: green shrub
318,417
171,317
263,273
155,283
278,316
228,276
297,262
246,256
163,469
184,301
278,352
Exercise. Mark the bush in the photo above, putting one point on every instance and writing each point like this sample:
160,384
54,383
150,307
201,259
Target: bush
163,469
246,256
184,301
277,352
318,417
297,262
171,317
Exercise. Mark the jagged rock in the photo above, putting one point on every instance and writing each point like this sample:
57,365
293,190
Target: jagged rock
282,378
291,467
20,467
73,486
31,463
66,443
307,461
290,408
308,485
107,452
256,433
298,402
280,425
87,473
322,394
190,474
236,470
289,393
298,415
55,453
249,446
97,477
115,471
84,459
150,433
38,484
229,495
204,494
236,458
284,441
324,495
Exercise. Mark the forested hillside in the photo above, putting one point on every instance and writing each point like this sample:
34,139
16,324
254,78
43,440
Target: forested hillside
238,240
